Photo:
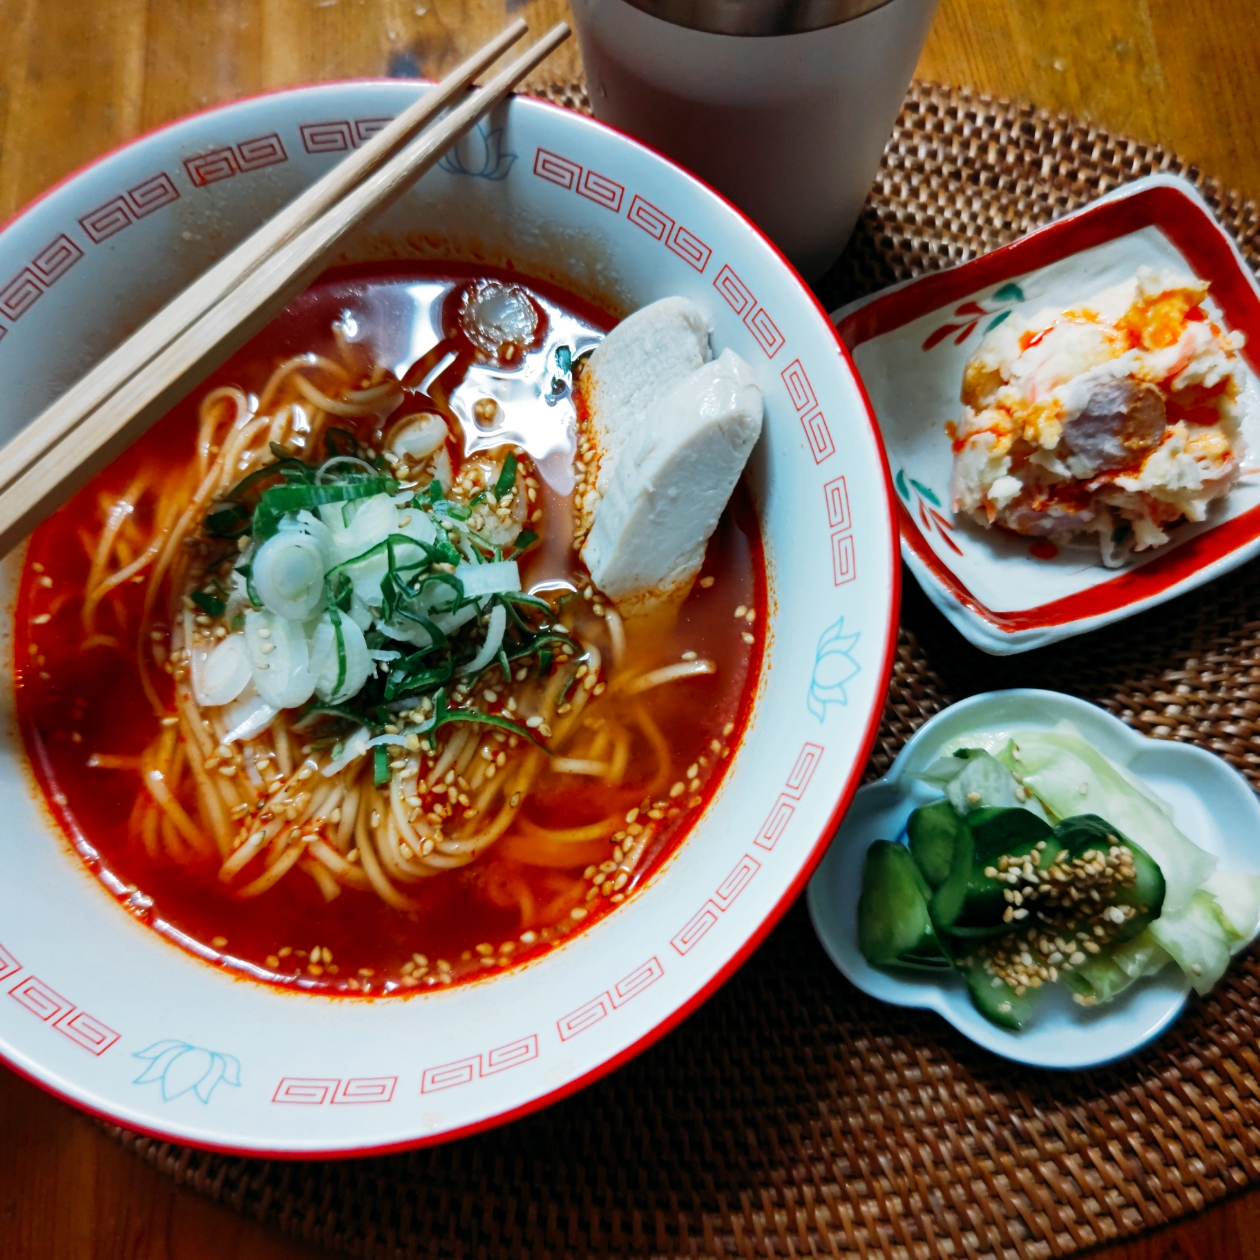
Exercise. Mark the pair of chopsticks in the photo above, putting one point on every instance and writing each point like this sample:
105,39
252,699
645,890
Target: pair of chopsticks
203,325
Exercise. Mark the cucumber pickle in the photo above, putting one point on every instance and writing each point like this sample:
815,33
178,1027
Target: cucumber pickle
893,921
933,832
950,897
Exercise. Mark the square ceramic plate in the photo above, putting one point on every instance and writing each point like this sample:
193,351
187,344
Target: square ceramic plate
1006,593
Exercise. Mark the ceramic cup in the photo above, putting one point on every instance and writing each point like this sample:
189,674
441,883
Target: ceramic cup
783,106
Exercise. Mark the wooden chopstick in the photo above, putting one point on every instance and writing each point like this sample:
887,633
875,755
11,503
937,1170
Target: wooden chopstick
73,407
47,468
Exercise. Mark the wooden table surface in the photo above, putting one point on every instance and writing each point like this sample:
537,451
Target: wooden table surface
78,77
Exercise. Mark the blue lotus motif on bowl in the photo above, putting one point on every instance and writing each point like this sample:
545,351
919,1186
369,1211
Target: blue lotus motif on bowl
480,154
182,1068
834,666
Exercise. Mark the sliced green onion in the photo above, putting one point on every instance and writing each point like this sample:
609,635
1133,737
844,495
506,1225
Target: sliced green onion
209,604
277,502
343,711
568,689
335,617
507,476
247,572
448,507
229,520
380,765
442,715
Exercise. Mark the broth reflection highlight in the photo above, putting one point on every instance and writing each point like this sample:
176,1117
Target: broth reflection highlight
315,681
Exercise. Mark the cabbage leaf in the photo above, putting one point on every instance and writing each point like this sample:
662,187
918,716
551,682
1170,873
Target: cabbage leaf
1070,776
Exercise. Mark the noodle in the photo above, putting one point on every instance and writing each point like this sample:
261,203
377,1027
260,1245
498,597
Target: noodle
232,440
571,769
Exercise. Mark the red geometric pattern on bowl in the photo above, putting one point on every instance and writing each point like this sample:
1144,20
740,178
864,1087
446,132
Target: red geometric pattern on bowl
152,194
737,294
722,898
803,770
339,135
843,551
836,494
660,227
87,1031
45,269
656,223
801,392
232,159
9,966
776,822
739,297
766,331
261,151
465,1071
42,1000
570,176
785,806
1200,239
122,211
689,247
315,1091
49,1007
843,559
602,190
556,169
365,1089
20,294
55,259
602,1006
305,1091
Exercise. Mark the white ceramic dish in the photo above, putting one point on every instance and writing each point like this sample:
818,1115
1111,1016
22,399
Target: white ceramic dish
1211,803
94,1005
911,342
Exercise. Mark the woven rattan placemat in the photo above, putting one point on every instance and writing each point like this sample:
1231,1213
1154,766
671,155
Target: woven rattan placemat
791,1114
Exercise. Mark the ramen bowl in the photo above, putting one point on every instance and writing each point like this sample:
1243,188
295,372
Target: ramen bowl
100,1009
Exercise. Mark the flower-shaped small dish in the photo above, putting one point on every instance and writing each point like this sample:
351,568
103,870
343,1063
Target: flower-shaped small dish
1211,803
1004,592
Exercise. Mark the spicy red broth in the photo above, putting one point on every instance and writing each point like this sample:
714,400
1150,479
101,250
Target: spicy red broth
105,698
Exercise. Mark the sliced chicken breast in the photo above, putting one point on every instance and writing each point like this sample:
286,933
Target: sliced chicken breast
676,470
628,374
